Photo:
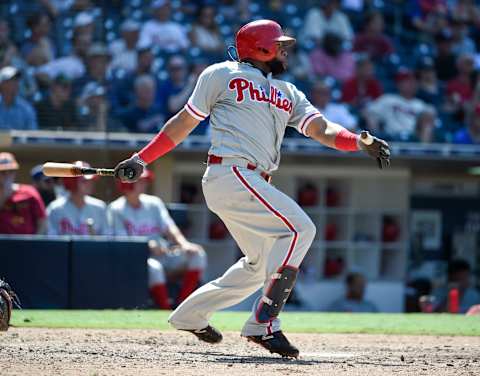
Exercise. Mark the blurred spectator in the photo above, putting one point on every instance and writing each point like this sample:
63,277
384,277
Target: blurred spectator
138,214
84,25
124,50
21,208
363,87
56,7
461,42
331,60
459,278
45,185
236,12
429,88
15,112
72,65
299,66
372,39
426,128
430,16
144,116
38,49
397,112
327,18
460,88
122,94
471,133
176,90
444,58
353,301
97,61
466,10
58,110
205,32
8,51
320,97
93,109
78,213
161,31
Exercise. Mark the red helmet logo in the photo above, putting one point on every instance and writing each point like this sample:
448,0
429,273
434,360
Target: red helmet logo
258,40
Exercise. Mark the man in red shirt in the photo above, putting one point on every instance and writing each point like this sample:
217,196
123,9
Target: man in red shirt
363,87
21,208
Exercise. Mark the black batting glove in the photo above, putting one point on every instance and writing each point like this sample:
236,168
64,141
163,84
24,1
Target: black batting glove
130,170
377,149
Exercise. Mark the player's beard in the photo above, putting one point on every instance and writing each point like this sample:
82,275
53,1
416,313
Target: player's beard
277,67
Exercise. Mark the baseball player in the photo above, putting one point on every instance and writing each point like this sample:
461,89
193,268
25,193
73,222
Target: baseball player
78,213
138,214
249,110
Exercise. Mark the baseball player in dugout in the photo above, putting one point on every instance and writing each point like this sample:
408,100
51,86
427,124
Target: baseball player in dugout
173,258
249,110
78,213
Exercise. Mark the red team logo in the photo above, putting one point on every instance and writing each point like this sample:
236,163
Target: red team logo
276,97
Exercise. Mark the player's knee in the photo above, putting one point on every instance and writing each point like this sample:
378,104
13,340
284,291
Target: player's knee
156,273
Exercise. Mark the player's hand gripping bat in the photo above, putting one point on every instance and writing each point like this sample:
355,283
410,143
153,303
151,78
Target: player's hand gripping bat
375,148
67,170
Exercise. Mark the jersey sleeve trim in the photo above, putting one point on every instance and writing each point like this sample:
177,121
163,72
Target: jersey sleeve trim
195,112
304,123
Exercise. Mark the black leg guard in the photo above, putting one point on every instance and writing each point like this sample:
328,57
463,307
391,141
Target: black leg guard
277,294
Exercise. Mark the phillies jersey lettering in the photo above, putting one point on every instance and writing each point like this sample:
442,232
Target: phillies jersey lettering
150,219
276,97
248,111
64,218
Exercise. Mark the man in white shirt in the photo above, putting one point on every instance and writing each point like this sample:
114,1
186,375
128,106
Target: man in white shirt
124,49
78,213
397,112
161,32
138,214
320,96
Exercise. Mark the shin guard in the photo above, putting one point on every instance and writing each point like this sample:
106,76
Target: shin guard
277,294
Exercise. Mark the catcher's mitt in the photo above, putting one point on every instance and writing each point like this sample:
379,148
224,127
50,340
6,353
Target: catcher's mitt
8,298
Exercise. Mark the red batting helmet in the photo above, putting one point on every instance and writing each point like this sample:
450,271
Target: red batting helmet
258,40
71,184
128,187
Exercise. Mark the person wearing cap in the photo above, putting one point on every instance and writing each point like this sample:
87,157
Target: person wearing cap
124,49
173,257
460,89
78,213
395,114
15,112
58,110
97,61
45,185
144,116
372,40
429,88
161,31
21,208
363,87
93,108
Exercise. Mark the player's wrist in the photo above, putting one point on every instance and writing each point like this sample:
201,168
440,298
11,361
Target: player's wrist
160,145
347,141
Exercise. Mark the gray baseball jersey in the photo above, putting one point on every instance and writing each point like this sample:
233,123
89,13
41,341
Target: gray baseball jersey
249,111
64,218
150,219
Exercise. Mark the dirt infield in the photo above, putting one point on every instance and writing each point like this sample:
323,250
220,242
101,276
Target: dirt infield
141,352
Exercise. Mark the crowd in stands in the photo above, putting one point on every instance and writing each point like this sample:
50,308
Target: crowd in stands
407,70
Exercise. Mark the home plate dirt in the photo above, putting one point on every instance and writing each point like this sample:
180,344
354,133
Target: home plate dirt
149,352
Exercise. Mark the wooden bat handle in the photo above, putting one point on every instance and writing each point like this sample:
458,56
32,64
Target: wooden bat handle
366,138
67,170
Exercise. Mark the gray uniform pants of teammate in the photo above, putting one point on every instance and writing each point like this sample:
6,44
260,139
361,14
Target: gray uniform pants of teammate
270,229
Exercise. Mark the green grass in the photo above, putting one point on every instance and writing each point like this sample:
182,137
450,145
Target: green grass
300,322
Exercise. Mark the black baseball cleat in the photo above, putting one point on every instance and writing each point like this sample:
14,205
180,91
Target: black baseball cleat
208,334
276,343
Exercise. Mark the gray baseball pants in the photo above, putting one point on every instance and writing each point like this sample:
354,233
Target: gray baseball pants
269,227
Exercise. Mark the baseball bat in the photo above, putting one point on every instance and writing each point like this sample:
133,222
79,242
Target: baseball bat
366,138
67,170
